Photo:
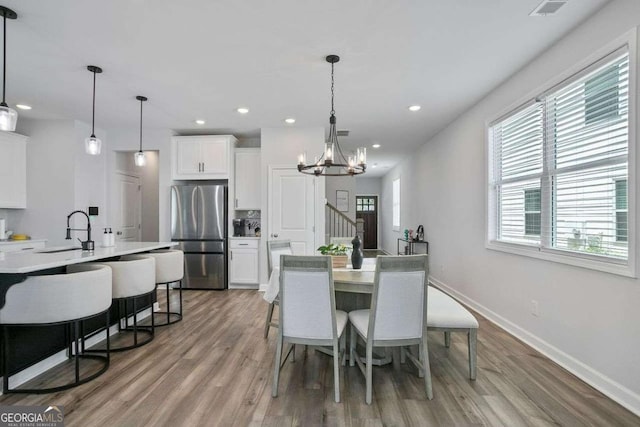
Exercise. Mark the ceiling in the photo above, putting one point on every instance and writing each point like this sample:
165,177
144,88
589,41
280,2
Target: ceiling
202,59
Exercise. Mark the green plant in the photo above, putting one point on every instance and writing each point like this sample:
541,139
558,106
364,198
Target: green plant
332,249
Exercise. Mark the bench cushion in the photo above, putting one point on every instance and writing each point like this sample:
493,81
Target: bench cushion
445,312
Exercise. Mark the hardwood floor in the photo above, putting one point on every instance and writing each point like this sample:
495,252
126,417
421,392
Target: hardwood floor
215,369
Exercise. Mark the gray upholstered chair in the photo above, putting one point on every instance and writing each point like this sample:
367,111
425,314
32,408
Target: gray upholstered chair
58,299
169,269
275,248
397,317
308,312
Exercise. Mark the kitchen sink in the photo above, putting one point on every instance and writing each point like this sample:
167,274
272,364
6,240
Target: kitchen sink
59,249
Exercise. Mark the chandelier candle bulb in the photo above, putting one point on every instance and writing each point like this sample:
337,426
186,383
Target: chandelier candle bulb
302,158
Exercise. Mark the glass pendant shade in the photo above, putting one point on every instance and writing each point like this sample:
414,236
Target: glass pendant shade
139,159
92,145
8,119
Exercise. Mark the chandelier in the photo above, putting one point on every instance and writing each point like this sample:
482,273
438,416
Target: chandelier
333,162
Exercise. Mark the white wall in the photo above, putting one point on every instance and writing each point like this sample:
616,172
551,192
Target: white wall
346,183
589,321
121,139
60,179
281,147
368,186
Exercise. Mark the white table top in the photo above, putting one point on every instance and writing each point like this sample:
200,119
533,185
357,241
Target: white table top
36,260
344,279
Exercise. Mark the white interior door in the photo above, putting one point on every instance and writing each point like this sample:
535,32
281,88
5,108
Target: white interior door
292,205
127,218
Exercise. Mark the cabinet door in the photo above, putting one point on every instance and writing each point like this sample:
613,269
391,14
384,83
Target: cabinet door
13,171
243,266
248,180
215,157
188,158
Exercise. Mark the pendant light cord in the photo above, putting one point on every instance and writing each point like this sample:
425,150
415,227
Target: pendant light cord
4,58
93,114
333,111
141,101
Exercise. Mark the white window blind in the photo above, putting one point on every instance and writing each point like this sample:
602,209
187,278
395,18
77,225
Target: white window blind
559,166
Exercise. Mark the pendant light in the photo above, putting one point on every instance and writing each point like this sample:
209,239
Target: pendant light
139,156
8,116
333,162
93,145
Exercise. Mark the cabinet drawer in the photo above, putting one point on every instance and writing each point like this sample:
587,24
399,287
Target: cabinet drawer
20,246
243,244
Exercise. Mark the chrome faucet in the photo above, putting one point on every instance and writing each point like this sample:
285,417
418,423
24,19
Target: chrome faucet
87,245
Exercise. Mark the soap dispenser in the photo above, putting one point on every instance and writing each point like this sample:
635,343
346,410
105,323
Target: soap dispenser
112,238
105,238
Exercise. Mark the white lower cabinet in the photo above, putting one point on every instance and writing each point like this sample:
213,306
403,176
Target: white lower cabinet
243,262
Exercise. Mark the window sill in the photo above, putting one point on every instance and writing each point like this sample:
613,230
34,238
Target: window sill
621,268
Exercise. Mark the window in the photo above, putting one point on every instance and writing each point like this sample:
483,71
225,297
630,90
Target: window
532,212
621,210
365,204
396,204
559,168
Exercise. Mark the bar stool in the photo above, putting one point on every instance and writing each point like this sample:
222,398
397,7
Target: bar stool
133,277
58,299
169,269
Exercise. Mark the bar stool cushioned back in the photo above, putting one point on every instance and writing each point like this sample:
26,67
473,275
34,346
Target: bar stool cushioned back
169,269
53,300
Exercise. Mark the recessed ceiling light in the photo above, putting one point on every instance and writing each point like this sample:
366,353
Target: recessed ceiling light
23,106
242,110
290,120
376,145
414,108
200,122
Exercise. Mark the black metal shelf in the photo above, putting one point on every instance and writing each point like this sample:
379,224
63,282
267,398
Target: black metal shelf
410,247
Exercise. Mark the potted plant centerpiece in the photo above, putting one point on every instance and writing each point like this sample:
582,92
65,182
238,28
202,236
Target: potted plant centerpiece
338,254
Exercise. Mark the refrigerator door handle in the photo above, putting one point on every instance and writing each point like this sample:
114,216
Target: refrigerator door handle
231,255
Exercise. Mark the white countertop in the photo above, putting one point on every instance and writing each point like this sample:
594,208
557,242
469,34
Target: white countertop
36,260
13,242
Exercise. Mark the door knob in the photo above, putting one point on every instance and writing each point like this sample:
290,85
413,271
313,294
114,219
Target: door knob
119,233
275,236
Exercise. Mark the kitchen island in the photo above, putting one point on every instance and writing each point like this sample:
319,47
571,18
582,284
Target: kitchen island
31,344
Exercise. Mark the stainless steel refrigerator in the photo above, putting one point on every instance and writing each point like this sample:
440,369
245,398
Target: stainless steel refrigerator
199,224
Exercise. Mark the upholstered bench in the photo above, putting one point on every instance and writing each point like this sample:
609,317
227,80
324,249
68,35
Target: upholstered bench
448,315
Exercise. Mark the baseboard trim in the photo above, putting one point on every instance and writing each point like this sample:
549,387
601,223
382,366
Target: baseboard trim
594,378
50,362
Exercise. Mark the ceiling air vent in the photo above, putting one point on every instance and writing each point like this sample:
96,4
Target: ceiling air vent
343,132
548,7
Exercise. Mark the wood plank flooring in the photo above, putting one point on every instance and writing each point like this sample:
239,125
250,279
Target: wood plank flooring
215,369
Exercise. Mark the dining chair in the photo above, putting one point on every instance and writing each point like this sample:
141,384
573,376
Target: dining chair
397,317
275,248
308,312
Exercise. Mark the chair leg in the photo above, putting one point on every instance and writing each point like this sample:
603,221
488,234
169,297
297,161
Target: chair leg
336,370
447,339
276,367
403,355
426,368
352,346
343,347
168,304
268,323
369,373
472,338
76,338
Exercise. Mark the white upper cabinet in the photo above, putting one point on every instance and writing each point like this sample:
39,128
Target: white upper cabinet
13,170
202,157
248,179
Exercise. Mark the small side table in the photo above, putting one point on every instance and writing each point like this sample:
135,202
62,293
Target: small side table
412,247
